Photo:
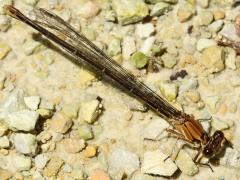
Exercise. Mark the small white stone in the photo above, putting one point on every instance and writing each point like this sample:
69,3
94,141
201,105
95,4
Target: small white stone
205,43
188,84
229,32
31,46
128,47
160,8
90,111
147,45
25,143
231,57
32,102
89,9
216,26
144,30
3,129
4,142
218,124
41,160
154,129
156,163
24,120
186,164
123,161
21,162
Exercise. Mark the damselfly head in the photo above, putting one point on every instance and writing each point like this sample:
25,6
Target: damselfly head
214,145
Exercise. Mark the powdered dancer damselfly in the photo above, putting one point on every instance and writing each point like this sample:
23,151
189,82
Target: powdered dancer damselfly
78,46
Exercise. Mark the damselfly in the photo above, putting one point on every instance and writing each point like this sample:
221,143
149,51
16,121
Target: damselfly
186,127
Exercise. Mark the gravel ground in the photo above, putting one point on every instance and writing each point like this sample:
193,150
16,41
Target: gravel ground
53,125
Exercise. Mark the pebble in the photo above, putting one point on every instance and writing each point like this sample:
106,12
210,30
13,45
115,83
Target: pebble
99,174
89,33
41,160
154,129
21,162
85,132
231,158
3,129
4,49
218,14
5,23
205,18
114,47
5,175
4,2
157,1
169,60
185,12
231,57
186,164
73,145
139,59
211,102
128,47
25,143
90,151
160,9
32,102
122,162
4,142
128,12
213,59
77,174
147,45
24,120
144,30
216,26
156,163
61,123
53,167
218,124
229,32
44,113
89,10
204,3
188,84
71,110
168,89
205,43
90,110
30,2
31,46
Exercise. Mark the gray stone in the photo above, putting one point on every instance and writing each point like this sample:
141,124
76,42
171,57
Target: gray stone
216,26
32,102
231,158
154,129
21,162
188,84
157,163
41,161
205,18
205,43
169,60
123,161
160,9
25,143
144,30
229,32
24,120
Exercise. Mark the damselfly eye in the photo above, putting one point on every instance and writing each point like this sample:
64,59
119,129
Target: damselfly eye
208,152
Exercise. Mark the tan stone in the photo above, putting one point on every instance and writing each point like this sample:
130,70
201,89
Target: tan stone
219,15
73,145
99,174
53,167
61,123
90,151
4,174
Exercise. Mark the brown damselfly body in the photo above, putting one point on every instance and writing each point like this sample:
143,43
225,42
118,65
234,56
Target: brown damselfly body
186,127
